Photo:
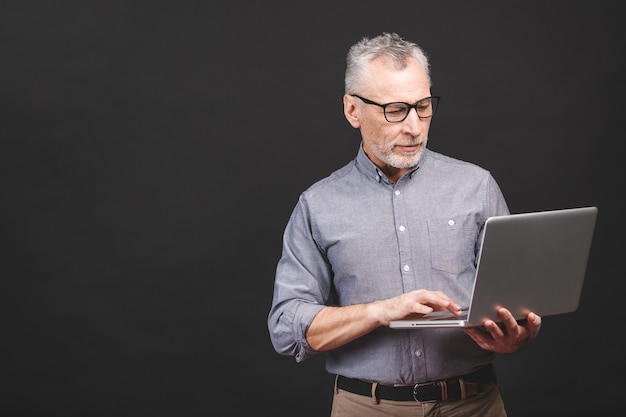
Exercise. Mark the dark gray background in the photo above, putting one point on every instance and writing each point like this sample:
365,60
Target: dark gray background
152,153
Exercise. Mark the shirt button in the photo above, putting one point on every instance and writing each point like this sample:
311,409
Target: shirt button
418,353
397,192
451,222
402,228
406,268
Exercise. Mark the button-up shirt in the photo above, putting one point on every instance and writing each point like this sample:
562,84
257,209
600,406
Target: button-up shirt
354,237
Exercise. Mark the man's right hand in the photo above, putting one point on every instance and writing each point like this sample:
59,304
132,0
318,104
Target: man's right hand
333,327
418,302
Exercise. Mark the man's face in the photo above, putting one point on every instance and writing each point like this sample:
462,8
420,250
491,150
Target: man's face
393,147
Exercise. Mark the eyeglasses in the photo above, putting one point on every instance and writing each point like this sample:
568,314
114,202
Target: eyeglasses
397,111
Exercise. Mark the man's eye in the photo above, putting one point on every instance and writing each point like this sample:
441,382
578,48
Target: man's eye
395,109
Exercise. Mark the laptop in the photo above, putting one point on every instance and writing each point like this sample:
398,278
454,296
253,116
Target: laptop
527,262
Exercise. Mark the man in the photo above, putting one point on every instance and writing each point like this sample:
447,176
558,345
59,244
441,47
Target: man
394,232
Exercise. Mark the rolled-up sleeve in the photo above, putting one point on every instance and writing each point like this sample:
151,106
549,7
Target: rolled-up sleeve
301,288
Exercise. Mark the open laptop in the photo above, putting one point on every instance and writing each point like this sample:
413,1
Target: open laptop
528,262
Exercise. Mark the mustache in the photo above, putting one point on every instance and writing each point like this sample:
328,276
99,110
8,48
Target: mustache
412,141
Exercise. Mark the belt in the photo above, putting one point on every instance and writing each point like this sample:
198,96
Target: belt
457,388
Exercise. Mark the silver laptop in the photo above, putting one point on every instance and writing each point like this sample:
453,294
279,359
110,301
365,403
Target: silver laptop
528,262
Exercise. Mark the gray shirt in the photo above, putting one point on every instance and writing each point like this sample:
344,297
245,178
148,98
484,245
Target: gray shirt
354,237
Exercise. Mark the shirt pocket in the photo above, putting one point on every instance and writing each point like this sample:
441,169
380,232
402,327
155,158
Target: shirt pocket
452,242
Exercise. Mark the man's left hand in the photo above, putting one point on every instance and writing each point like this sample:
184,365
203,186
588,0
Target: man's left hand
508,336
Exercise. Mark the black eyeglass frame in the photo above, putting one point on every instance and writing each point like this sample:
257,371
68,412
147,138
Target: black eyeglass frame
435,103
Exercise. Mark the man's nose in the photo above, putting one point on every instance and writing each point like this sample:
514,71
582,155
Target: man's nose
413,124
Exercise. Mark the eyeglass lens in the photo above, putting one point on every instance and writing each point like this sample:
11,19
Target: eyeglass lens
396,112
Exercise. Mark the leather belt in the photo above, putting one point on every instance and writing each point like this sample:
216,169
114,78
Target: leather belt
456,388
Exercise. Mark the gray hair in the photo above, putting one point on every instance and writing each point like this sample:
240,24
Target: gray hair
389,45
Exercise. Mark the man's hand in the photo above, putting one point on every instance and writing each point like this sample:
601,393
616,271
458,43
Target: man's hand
508,337
336,326
418,302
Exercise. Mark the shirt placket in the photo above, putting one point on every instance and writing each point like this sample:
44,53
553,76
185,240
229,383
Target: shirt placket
403,235
407,269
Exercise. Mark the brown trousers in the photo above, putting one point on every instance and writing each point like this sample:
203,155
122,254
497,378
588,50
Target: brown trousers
487,403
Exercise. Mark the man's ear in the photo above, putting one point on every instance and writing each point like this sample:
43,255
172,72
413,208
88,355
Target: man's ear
350,111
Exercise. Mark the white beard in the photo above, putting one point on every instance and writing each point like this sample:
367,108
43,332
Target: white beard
400,161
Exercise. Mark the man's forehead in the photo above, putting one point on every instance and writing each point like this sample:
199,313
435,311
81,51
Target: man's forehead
388,84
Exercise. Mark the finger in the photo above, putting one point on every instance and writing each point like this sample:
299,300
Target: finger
450,304
455,309
533,322
439,301
494,330
507,318
421,308
511,325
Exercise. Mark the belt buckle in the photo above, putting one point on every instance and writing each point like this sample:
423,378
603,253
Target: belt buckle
416,389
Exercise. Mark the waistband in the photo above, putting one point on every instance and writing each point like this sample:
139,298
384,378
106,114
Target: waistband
455,388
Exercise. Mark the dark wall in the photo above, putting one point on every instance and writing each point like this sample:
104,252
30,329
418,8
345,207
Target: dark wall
152,153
